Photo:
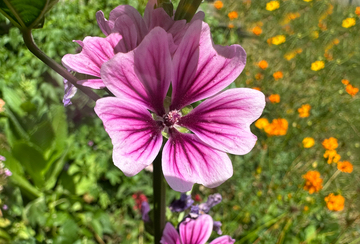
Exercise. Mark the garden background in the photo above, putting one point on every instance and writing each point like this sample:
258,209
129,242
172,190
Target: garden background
303,55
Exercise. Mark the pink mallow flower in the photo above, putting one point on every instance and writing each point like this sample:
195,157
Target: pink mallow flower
124,31
193,231
136,118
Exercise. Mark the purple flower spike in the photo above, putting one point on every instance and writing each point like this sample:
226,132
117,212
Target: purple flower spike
193,232
137,117
145,209
211,202
182,204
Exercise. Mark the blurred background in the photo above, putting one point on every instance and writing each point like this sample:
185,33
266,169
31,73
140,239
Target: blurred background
300,184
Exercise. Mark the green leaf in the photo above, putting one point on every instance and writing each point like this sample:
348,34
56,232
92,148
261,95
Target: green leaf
32,160
26,14
35,211
43,135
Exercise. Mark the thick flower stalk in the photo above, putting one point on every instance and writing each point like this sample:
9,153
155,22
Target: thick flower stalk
193,232
141,79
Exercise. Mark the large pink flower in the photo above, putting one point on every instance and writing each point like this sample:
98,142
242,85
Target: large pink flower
140,80
193,232
124,31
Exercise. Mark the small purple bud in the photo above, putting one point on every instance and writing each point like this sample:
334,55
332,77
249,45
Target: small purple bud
145,209
194,211
70,91
211,202
182,204
90,143
5,207
217,227
2,158
8,172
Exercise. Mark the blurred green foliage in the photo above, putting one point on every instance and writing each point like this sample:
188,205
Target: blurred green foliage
65,188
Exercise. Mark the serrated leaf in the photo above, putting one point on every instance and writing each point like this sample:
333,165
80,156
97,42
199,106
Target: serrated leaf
26,14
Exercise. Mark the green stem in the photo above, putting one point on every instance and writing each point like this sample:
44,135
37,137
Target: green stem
159,191
30,44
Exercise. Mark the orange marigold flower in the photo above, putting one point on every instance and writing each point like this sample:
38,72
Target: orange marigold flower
336,41
330,143
257,30
278,127
351,90
293,16
357,11
313,181
230,26
317,65
348,22
345,166
262,123
259,76
278,75
274,98
332,156
256,88
345,82
233,15
2,104
263,64
304,110
306,208
335,203
308,142
271,6
218,4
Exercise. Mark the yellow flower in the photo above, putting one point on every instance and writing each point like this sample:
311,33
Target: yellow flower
278,127
278,75
345,166
274,98
218,4
271,6
332,156
335,203
277,40
2,103
263,64
317,65
315,34
347,23
233,15
307,0
262,123
308,142
313,181
257,30
304,110
330,143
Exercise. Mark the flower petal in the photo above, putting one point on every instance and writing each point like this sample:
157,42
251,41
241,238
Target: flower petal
187,160
127,29
170,235
103,23
223,240
95,52
202,69
223,121
196,231
69,92
152,62
134,15
135,135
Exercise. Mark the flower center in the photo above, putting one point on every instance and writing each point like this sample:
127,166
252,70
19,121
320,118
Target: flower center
171,118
